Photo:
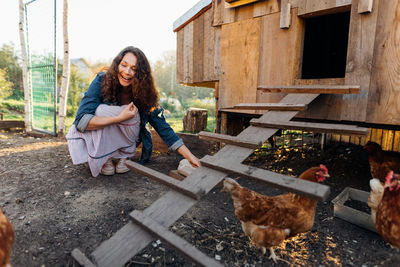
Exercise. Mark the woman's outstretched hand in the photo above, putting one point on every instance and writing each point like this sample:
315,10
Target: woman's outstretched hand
129,112
185,152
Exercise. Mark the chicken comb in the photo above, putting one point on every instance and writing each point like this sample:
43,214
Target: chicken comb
324,168
389,177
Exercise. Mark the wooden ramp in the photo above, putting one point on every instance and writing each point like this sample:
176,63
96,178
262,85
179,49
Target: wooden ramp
153,222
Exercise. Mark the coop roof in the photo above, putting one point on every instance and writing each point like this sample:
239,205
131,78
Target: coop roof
191,14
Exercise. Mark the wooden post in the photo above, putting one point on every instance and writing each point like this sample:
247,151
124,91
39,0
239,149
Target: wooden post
65,75
24,58
195,120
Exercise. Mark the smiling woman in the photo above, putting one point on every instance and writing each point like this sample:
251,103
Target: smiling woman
107,124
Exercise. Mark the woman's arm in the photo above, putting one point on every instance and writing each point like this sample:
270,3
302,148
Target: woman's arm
168,135
185,152
97,122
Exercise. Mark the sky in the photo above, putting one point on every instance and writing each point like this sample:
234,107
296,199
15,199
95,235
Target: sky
98,29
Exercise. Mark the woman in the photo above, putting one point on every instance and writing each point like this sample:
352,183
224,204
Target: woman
107,124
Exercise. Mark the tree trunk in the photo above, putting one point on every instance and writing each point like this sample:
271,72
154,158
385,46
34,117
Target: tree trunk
65,75
24,58
195,120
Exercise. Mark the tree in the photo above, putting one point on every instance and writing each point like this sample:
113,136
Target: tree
27,95
65,76
5,85
9,63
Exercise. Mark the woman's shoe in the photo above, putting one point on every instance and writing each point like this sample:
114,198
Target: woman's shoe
121,166
108,168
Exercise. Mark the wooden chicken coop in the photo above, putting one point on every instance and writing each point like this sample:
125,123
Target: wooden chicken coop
256,52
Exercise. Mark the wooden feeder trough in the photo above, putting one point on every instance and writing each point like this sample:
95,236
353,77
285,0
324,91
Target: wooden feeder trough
352,215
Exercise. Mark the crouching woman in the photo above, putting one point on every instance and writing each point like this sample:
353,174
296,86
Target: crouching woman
112,117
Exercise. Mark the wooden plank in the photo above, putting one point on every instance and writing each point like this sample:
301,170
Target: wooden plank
239,62
210,41
180,57
244,12
317,7
396,142
285,14
327,106
188,53
384,94
222,15
174,241
81,258
194,192
271,106
6,124
365,6
288,53
232,140
131,239
360,57
191,14
314,127
176,175
306,188
262,8
311,89
198,49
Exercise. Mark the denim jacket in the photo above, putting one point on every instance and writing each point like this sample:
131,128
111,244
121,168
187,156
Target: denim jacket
92,99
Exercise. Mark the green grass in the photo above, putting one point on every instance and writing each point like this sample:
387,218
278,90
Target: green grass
177,124
14,110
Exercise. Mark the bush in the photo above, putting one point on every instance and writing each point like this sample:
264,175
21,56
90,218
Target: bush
207,103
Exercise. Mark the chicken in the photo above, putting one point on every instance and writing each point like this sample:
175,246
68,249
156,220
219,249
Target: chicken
269,220
387,220
381,162
375,196
6,240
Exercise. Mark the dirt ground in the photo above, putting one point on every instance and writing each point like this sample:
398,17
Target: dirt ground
55,207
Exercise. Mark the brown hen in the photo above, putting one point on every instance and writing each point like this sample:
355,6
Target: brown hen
269,220
6,240
381,162
388,213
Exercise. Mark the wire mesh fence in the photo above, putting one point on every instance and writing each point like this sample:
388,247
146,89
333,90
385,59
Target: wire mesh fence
40,18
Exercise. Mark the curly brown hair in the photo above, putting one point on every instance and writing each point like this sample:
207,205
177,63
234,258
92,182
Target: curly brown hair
144,91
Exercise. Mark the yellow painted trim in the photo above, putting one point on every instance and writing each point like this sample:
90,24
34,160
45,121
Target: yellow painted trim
239,3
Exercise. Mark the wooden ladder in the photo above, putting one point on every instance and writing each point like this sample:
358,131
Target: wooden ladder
153,222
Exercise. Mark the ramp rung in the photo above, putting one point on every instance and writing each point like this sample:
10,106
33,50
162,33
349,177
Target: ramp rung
172,239
228,139
299,186
11,124
194,193
311,89
271,106
314,127
81,258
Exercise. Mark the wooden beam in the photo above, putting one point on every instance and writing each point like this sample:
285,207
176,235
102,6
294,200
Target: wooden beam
311,89
81,258
271,106
176,175
11,124
239,3
228,139
365,6
285,15
314,127
299,186
194,192
172,240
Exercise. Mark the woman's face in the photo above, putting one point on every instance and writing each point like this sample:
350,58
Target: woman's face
127,69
